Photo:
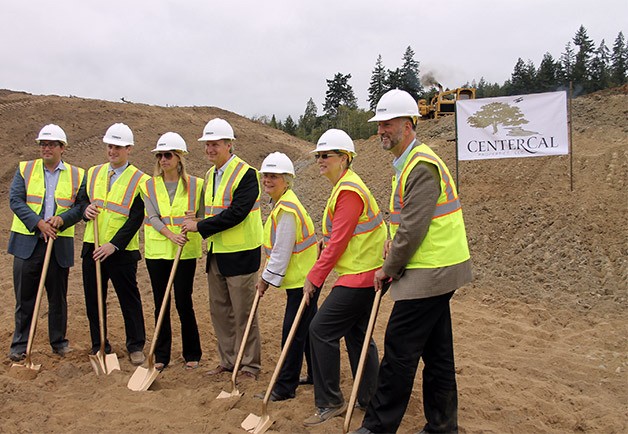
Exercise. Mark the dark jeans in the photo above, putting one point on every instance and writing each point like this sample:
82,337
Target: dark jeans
123,277
417,328
26,275
183,286
344,313
288,379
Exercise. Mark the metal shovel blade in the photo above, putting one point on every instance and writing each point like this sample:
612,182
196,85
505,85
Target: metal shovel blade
104,365
29,368
256,424
223,395
142,378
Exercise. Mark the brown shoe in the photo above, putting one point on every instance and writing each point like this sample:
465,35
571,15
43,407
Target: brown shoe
247,375
219,370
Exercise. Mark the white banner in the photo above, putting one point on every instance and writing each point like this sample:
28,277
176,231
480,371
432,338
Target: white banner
512,126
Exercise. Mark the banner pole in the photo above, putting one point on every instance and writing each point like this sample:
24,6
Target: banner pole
456,144
570,135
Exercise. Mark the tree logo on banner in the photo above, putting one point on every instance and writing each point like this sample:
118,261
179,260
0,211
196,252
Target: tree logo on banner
499,113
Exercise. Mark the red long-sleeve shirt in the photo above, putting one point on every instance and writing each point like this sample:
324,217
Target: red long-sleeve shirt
349,207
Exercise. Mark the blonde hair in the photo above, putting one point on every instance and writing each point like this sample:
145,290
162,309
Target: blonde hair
183,174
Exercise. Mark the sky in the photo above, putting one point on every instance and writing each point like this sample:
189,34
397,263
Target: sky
259,58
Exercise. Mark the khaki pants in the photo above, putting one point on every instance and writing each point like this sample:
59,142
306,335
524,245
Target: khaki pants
230,301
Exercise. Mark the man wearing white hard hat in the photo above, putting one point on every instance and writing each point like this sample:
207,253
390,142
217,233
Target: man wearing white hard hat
168,195
113,189
47,197
428,259
233,229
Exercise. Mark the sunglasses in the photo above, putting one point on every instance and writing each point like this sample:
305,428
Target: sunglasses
50,145
325,156
166,155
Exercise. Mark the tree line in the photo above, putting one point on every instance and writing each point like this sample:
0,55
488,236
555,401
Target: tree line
587,67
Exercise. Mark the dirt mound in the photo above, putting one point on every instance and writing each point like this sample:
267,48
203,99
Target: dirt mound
541,334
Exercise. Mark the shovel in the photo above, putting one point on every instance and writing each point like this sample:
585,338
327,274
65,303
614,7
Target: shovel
101,362
360,370
259,424
28,364
236,367
142,378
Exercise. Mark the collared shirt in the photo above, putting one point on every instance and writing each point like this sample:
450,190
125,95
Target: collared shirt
219,171
400,161
117,172
51,179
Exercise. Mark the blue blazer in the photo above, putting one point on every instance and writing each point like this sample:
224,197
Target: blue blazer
21,245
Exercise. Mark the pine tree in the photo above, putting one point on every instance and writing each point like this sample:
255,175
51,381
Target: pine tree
522,78
547,76
339,92
582,65
394,79
307,122
289,126
377,85
619,61
600,70
567,60
410,74
273,122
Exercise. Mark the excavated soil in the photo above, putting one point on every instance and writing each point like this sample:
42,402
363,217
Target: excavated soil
541,335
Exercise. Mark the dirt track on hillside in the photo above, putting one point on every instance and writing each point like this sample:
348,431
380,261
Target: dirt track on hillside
541,336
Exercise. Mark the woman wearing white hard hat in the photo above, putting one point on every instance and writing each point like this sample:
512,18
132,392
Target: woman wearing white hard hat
168,195
354,234
290,249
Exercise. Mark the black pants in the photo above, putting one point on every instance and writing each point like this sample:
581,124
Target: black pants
417,328
123,277
344,313
26,275
159,272
288,379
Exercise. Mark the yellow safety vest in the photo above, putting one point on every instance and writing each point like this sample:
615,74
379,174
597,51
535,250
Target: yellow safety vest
156,245
445,243
364,251
304,251
68,186
115,205
247,234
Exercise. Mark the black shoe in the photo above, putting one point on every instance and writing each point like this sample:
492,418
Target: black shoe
306,379
17,357
63,351
274,397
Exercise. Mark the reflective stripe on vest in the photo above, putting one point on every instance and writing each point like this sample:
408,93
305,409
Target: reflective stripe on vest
374,220
35,201
309,239
442,209
212,210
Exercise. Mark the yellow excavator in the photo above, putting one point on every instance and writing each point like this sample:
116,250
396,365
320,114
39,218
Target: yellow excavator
444,102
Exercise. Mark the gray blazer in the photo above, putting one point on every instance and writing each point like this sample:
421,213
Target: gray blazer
21,245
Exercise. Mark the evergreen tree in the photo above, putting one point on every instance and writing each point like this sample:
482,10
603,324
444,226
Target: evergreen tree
619,61
289,126
410,74
600,70
307,122
522,78
582,65
339,92
394,79
547,76
377,85
273,122
567,60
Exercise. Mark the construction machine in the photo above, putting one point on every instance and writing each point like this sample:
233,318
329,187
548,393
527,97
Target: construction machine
444,102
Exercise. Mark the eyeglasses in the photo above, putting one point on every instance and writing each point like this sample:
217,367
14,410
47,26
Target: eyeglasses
325,156
50,145
166,155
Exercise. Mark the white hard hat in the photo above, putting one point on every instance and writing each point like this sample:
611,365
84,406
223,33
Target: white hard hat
217,129
396,104
277,163
52,132
119,135
171,142
335,140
